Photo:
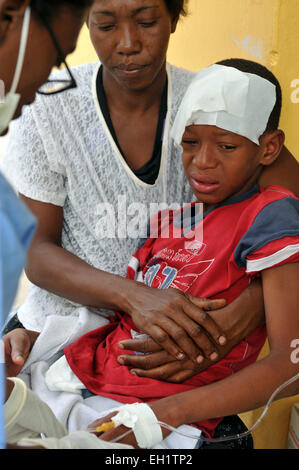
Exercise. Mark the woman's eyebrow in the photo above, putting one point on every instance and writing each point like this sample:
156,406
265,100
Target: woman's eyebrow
134,12
145,7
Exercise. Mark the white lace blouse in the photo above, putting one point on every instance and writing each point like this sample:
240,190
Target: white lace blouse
61,152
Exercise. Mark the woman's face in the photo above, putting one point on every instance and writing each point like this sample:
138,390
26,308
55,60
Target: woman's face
131,39
41,54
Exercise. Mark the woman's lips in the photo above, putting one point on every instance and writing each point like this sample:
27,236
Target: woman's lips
205,187
130,70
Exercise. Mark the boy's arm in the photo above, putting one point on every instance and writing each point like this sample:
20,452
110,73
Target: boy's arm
251,387
283,172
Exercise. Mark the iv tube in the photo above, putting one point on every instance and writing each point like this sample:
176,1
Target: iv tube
226,438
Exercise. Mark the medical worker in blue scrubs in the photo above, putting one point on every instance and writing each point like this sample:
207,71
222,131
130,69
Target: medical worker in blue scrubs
34,36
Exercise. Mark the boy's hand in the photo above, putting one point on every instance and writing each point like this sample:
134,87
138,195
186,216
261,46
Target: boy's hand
156,363
17,346
114,433
177,321
237,319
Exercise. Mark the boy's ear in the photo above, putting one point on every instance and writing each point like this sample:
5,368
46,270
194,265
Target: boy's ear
10,13
271,145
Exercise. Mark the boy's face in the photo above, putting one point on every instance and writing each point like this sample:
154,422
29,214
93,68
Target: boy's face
219,164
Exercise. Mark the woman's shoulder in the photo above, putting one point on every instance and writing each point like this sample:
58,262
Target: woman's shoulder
83,73
180,74
180,79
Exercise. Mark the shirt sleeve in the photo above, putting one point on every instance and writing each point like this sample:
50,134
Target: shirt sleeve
272,239
30,160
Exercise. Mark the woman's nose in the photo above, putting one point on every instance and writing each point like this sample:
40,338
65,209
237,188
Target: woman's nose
128,42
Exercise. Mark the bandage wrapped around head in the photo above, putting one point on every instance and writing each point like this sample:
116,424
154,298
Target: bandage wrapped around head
225,97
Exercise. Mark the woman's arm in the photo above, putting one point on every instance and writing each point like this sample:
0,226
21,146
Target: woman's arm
283,172
169,316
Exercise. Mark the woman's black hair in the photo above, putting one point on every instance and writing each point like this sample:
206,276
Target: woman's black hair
48,9
177,8
249,66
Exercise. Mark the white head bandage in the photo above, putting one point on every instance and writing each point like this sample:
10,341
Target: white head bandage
143,421
229,99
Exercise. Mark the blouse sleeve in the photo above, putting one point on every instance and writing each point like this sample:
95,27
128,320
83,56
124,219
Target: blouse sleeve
29,162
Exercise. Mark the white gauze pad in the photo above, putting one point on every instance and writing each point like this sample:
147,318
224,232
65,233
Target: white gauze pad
229,99
143,421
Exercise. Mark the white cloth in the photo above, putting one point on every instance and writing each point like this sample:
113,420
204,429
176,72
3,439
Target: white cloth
229,99
71,409
27,417
61,152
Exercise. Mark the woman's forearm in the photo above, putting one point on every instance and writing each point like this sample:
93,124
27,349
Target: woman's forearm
64,274
283,172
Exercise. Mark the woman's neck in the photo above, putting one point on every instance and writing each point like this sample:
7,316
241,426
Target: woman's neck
125,99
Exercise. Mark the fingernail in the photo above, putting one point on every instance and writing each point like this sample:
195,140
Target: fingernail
213,356
180,356
121,346
18,358
133,372
222,340
199,359
120,360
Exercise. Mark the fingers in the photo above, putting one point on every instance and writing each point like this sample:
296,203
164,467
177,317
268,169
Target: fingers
207,304
17,346
142,345
205,322
145,362
161,372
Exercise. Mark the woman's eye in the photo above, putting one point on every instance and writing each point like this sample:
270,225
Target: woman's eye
189,142
229,147
106,27
147,24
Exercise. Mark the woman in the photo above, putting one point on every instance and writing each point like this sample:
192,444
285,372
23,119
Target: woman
24,67
108,142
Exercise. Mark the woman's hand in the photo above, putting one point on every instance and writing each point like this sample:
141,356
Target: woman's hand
177,322
237,320
17,346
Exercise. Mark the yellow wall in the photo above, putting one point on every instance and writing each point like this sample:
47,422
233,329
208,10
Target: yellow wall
263,30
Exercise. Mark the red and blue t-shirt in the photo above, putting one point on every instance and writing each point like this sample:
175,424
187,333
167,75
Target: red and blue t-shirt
241,237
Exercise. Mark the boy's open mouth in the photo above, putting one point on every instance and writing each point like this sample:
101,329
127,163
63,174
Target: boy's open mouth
204,184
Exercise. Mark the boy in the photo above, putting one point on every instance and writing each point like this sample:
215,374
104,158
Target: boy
228,127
